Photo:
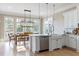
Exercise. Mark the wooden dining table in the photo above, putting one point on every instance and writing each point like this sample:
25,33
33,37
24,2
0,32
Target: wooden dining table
20,37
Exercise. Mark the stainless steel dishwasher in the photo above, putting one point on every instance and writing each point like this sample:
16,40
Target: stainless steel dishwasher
44,43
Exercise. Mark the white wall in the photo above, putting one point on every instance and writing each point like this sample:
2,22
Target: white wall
78,13
59,24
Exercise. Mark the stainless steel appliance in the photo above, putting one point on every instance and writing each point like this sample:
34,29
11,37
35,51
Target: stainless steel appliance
44,43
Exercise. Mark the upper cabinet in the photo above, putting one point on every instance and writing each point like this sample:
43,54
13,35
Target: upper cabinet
70,20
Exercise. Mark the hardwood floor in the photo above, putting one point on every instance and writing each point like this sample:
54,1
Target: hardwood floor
60,52
6,50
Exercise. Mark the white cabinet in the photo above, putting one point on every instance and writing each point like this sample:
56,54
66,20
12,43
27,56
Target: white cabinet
54,43
72,42
65,40
59,43
69,41
77,47
35,44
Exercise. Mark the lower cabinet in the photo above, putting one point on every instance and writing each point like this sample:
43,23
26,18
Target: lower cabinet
55,43
59,43
77,43
69,41
65,40
72,42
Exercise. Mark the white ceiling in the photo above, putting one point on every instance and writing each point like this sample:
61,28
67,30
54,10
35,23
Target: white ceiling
18,8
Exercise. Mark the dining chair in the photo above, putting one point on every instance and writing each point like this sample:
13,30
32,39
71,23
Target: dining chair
11,37
21,38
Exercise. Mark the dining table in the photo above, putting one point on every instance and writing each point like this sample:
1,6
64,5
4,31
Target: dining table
20,37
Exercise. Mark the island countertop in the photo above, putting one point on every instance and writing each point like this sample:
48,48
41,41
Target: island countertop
39,35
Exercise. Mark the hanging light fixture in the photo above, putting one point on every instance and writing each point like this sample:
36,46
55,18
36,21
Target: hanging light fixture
47,17
24,23
39,10
53,17
29,21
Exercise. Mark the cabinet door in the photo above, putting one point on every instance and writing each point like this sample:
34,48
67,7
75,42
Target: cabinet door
64,41
59,43
77,44
72,42
54,44
67,41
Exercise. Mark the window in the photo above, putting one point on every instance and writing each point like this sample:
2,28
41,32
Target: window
18,25
8,26
36,26
48,28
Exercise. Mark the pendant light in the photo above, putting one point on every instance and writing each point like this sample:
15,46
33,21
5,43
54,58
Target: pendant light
39,15
24,21
29,21
47,17
46,4
53,17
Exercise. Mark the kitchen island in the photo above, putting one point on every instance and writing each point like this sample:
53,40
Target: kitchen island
39,42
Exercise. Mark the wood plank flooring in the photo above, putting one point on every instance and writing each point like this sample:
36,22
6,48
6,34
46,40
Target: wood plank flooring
6,50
